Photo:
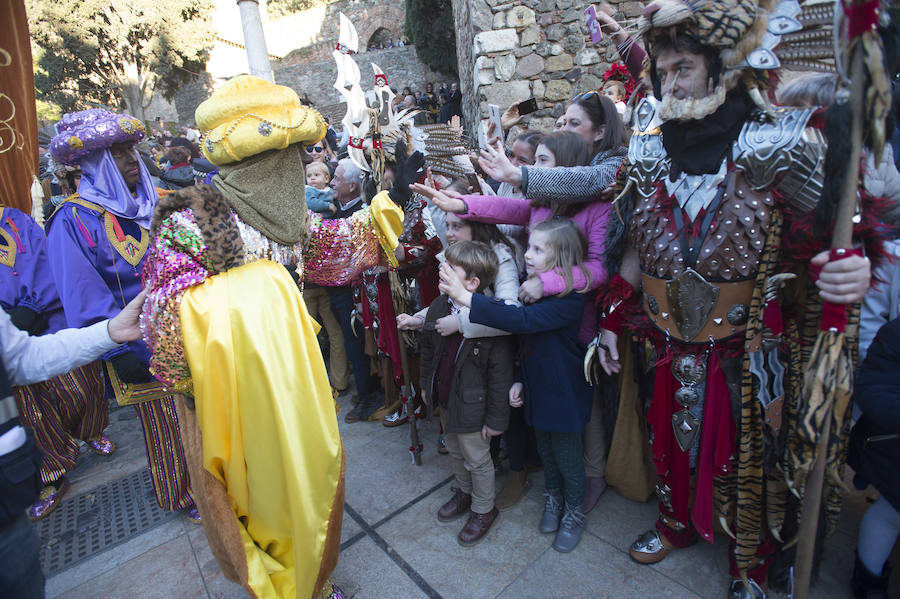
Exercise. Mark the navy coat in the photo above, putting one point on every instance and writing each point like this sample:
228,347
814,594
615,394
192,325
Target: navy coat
557,398
874,451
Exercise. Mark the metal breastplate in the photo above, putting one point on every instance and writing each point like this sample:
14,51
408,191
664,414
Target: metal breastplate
731,249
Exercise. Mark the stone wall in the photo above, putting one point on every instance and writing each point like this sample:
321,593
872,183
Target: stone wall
316,79
540,49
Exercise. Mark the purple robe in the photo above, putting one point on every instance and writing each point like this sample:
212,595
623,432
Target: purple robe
25,277
94,279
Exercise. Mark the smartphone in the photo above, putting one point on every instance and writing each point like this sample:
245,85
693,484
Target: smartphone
527,106
590,18
494,117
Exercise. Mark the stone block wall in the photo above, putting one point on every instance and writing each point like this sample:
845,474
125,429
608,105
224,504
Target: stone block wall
316,79
540,49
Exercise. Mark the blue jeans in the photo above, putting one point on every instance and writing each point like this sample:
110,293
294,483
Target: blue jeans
21,574
341,300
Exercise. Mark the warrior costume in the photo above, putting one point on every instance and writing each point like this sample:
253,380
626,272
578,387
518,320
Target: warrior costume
262,440
65,408
720,193
96,243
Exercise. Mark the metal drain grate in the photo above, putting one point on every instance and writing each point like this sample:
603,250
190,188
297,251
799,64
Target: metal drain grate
99,519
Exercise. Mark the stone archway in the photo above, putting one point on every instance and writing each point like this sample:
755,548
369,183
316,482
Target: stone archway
390,18
381,37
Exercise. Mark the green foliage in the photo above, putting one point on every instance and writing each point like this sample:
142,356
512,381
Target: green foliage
429,26
280,8
112,51
48,111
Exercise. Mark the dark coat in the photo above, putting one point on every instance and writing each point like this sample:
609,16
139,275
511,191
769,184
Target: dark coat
876,459
482,376
557,398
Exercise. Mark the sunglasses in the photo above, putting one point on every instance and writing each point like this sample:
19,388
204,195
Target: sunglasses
585,96
315,149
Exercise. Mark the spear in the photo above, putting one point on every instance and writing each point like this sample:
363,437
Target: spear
828,382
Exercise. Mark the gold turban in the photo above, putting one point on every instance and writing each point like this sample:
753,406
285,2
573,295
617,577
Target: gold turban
249,115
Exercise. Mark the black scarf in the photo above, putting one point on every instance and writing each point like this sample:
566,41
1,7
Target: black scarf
697,147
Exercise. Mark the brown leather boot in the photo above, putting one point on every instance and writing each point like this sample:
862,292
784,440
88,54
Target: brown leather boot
477,526
458,505
516,485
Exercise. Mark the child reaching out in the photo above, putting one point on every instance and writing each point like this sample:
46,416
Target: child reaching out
319,197
557,398
469,379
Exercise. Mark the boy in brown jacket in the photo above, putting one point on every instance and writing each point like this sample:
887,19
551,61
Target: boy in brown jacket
470,380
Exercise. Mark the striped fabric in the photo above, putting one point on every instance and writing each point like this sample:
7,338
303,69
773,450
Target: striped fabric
165,453
62,410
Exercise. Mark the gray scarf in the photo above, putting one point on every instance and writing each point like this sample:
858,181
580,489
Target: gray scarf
268,192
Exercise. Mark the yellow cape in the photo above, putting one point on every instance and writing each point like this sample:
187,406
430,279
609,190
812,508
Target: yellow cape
267,418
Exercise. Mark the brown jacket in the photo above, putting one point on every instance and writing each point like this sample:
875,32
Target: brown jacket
482,376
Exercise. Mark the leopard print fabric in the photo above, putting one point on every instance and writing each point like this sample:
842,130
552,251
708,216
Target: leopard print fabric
213,216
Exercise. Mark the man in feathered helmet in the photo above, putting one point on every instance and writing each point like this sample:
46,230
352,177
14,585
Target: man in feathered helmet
719,258
228,329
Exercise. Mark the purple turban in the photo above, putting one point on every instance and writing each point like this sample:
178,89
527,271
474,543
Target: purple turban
84,132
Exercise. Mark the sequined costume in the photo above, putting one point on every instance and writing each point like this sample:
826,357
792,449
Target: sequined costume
96,259
65,408
187,259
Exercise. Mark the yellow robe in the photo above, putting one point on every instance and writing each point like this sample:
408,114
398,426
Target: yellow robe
269,430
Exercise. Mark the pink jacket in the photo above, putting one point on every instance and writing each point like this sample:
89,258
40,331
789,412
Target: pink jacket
593,220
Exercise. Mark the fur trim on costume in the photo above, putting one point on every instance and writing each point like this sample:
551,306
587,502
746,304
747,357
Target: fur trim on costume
215,219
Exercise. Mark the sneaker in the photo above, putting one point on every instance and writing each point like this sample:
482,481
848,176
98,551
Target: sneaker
570,528
101,445
49,499
442,446
553,509
396,418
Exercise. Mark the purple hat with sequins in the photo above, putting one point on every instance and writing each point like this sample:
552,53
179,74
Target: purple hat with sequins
84,132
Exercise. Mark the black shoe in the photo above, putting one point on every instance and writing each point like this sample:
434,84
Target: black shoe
866,585
366,407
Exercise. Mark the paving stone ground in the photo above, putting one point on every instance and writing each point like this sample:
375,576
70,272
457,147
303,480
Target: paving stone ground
393,546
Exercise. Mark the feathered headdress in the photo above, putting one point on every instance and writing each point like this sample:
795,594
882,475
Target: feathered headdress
752,37
374,131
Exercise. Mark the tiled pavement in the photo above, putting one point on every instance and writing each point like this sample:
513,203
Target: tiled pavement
394,547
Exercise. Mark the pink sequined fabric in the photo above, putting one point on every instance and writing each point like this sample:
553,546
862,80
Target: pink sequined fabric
337,252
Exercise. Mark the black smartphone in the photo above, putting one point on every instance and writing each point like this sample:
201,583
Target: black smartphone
527,106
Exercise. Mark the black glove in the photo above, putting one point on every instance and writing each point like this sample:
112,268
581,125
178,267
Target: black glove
409,170
26,319
130,369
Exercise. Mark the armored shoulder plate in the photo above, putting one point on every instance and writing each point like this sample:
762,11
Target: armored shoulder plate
784,153
646,154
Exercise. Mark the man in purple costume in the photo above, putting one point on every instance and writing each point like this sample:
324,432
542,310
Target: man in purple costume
67,407
96,242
